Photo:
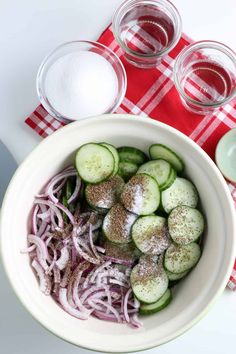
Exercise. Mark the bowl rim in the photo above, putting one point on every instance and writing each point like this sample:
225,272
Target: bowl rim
155,124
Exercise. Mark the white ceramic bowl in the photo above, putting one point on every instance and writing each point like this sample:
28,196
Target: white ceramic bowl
192,298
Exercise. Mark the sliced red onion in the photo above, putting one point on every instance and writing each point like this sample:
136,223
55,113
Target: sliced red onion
110,307
83,254
106,317
45,284
76,298
42,228
28,249
66,276
118,282
92,244
64,258
57,275
40,244
45,215
69,309
50,189
53,208
76,191
85,246
135,322
53,260
89,291
34,220
98,270
125,307
100,249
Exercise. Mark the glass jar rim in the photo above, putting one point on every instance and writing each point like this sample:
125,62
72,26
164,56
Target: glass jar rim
41,92
209,44
119,14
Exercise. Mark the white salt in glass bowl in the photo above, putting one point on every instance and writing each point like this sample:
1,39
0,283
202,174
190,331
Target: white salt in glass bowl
93,100
192,298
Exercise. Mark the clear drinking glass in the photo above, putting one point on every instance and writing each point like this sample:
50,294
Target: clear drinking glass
146,30
205,76
75,46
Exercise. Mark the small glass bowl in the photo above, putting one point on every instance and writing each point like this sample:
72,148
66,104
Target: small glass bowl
75,46
146,30
205,76
225,155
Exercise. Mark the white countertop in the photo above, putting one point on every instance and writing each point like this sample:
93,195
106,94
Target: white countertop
30,29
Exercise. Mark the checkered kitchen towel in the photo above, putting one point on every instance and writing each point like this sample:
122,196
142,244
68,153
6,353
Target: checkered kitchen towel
152,93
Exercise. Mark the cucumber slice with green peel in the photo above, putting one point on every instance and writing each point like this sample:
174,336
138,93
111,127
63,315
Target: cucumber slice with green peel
105,194
170,180
185,224
156,306
115,154
124,252
141,195
127,169
131,154
150,234
181,192
149,282
159,151
94,163
179,259
161,170
174,276
117,224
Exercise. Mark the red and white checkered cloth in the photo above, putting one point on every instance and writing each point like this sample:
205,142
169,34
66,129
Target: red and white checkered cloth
152,93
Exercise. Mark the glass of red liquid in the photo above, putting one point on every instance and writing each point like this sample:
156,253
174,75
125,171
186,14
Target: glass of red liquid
146,30
205,76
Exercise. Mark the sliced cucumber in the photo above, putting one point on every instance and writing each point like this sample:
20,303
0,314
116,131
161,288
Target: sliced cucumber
161,170
150,234
178,259
115,154
131,154
117,224
105,194
181,192
141,195
159,151
149,282
127,169
185,224
94,163
126,252
158,305
174,276
170,180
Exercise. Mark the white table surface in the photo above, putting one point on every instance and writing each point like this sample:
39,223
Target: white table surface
30,29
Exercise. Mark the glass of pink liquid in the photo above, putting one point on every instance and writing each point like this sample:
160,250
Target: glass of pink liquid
205,76
146,30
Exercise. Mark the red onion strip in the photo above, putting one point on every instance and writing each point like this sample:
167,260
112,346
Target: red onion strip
91,242
53,208
44,280
125,307
34,219
76,191
83,254
69,309
64,258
